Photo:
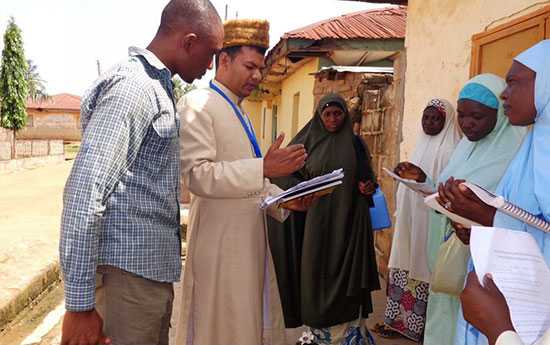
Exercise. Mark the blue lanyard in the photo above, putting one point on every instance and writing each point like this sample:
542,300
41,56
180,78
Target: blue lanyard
247,127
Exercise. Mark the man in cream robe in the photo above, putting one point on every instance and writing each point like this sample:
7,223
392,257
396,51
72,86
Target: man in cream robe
230,294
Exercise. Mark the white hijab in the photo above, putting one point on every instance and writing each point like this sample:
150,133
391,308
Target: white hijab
411,228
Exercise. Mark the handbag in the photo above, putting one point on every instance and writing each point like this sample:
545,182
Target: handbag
451,267
379,213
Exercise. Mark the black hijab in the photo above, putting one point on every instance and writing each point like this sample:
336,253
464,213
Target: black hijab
324,258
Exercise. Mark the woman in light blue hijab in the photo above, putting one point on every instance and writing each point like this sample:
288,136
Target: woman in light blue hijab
481,157
527,180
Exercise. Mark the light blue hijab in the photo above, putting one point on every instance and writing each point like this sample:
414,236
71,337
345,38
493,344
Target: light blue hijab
483,162
527,180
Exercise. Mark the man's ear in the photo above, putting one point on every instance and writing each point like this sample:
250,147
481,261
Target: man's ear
224,59
189,41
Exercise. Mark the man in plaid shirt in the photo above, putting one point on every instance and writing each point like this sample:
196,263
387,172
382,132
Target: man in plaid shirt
120,243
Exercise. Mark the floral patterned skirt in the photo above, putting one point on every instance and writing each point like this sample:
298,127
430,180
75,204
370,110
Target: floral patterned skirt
406,306
349,333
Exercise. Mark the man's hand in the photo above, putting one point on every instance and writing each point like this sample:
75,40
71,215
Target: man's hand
280,162
367,188
485,307
410,171
301,204
83,328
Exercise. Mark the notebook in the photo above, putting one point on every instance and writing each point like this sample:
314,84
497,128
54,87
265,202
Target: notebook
508,208
493,200
318,186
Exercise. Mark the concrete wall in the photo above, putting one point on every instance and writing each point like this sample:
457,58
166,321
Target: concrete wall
52,125
6,138
267,125
28,148
439,50
28,153
33,148
54,119
264,132
303,82
253,110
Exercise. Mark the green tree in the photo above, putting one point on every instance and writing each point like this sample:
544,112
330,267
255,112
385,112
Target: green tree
13,85
181,88
37,85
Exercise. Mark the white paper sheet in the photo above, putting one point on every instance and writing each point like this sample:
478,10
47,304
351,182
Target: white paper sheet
422,188
431,201
519,270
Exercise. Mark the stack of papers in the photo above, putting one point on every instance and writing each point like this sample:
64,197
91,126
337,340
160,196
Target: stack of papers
322,185
522,275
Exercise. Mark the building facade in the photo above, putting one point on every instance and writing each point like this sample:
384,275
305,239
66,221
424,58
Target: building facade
56,118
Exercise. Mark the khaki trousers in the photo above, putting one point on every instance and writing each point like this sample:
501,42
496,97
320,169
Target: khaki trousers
135,310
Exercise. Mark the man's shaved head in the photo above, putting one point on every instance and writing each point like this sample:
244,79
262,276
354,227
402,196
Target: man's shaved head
189,35
194,15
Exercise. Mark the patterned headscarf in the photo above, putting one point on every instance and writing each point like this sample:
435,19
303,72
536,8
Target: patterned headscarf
439,105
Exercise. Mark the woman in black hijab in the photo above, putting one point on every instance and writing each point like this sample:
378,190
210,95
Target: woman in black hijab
324,258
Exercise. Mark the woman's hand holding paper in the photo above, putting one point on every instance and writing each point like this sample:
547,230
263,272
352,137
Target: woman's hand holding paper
410,171
458,199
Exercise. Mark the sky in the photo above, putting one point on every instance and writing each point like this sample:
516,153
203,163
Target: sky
66,38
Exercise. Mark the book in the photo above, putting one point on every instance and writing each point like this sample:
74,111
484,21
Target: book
318,186
508,208
493,200
421,188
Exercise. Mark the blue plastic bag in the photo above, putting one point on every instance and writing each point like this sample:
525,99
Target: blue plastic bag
379,214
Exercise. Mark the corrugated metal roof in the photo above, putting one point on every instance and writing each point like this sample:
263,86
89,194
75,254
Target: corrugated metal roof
62,101
397,2
357,69
385,23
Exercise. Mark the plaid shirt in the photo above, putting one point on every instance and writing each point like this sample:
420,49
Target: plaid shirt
120,205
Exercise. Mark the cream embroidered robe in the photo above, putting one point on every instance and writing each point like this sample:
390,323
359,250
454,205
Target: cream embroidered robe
230,294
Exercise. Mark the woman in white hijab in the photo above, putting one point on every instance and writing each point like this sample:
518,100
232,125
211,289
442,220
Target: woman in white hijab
409,273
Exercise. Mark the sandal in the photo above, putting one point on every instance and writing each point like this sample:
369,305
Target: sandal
384,331
307,338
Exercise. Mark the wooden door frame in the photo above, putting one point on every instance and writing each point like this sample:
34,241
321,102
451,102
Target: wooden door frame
538,18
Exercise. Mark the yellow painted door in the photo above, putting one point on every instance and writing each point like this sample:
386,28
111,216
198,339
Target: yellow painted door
494,50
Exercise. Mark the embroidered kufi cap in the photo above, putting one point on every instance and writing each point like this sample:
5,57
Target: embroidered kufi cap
246,32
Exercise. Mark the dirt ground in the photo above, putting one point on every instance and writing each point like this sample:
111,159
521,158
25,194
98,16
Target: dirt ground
31,204
30,212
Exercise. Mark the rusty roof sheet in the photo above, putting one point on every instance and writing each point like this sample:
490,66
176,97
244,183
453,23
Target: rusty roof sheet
62,101
384,23
396,2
